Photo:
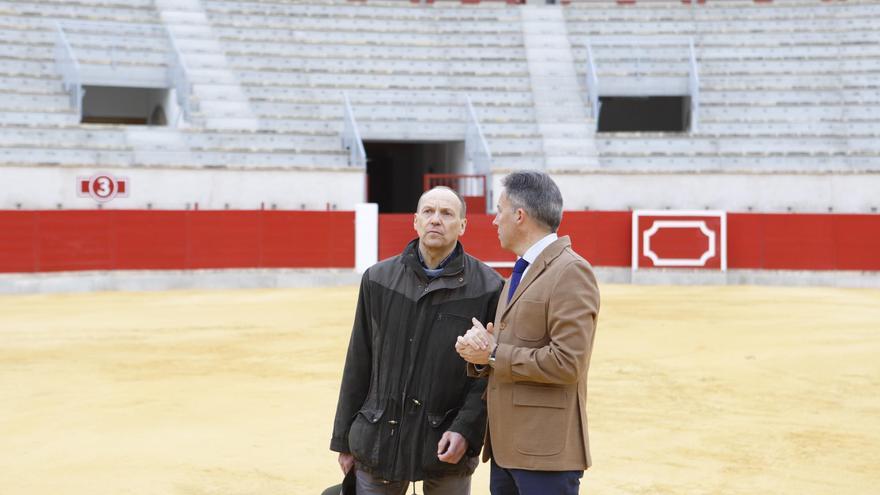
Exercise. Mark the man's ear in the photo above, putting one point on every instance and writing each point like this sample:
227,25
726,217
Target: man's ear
463,226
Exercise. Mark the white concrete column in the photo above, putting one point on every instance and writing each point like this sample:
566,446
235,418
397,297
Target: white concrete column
366,236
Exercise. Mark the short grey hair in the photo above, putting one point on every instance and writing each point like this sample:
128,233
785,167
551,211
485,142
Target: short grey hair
537,194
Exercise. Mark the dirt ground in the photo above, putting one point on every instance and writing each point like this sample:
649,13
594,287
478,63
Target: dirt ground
693,390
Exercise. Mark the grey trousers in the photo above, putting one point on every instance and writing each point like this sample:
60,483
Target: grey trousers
447,485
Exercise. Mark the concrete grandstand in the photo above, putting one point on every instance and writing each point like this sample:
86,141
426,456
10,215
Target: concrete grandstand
301,105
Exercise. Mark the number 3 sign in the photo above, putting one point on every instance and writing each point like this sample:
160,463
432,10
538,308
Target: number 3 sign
102,187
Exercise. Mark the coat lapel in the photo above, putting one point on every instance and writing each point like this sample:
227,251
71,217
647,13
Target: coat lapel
549,253
502,301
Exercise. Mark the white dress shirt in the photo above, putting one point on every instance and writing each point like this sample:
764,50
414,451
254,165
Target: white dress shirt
533,252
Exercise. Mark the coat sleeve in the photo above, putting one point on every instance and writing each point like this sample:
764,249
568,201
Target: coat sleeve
357,372
571,324
471,419
477,372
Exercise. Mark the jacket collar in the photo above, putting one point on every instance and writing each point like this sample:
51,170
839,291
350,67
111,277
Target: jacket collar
454,265
546,257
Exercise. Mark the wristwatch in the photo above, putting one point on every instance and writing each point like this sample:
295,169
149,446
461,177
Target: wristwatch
492,356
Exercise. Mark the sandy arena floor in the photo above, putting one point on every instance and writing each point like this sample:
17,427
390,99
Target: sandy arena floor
724,390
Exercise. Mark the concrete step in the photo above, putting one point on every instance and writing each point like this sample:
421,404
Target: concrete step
246,123
38,118
572,162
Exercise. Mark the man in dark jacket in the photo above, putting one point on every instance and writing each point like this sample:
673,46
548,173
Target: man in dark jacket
407,410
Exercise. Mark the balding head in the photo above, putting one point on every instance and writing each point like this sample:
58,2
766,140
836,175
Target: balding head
439,222
443,191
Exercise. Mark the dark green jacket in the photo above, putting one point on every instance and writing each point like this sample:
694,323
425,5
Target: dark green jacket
403,384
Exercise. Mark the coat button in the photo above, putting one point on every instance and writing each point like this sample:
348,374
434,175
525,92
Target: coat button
503,325
461,279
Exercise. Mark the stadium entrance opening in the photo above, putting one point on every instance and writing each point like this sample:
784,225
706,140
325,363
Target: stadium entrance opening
124,105
645,113
396,170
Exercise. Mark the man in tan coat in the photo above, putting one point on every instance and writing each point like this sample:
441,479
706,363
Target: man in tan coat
537,351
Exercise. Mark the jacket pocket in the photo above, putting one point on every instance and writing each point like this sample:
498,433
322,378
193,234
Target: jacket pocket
445,366
530,321
455,324
539,413
364,436
437,425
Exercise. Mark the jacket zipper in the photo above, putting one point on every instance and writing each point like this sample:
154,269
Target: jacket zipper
398,424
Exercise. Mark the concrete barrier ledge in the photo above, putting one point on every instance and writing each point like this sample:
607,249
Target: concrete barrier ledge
149,280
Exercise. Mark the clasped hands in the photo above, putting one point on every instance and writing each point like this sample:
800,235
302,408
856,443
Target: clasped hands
477,344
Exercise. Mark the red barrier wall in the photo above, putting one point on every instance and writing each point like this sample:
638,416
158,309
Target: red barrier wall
803,242
755,240
602,237
45,241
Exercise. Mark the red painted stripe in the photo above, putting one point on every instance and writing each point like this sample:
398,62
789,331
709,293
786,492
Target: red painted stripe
72,240
18,233
604,238
40,241
36,241
155,240
857,242
803,241
395,231
308,239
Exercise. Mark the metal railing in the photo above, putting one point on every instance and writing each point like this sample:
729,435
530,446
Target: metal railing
476,148
351,138
693,83
593,85
179,77
472,188
68,67
694,89
466,185
72,73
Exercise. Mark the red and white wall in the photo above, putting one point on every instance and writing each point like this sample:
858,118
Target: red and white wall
756,241
55,222
106,241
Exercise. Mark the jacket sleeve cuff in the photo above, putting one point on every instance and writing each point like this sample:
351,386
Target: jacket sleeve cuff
477,371
474,444
503,363
339,445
